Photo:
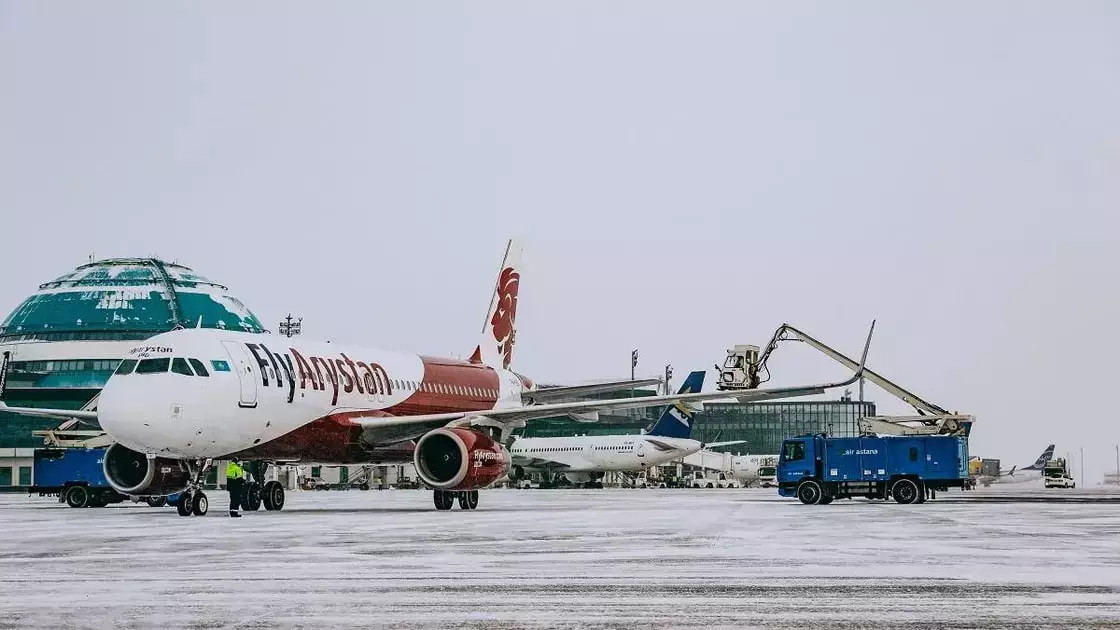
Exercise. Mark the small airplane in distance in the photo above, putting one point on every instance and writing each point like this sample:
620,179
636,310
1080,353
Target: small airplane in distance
583,459
185,398
1009,476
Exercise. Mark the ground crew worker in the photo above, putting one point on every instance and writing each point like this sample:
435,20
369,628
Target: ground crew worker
235,483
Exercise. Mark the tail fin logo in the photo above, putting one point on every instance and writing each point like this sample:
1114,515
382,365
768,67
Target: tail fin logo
505,314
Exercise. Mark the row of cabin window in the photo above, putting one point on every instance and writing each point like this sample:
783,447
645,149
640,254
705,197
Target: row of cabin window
459,390
565,449
178,365
96,365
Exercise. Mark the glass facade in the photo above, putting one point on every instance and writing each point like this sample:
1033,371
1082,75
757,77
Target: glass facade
763,425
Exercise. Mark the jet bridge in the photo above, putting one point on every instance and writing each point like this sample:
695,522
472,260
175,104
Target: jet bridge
745,368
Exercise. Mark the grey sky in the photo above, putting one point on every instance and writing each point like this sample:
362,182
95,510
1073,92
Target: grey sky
684,175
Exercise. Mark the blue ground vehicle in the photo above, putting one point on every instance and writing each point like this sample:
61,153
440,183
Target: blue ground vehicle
818,469
76,477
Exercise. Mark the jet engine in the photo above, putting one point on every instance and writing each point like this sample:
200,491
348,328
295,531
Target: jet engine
459,458
130,472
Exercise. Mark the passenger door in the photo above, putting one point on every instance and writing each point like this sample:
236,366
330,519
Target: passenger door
239,354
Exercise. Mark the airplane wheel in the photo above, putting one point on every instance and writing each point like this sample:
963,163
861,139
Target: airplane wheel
273,496
443,499
251,502
183,505
199,504
77,497
156,501
472,499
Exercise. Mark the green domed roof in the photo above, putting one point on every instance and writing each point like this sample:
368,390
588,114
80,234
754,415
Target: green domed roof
125,298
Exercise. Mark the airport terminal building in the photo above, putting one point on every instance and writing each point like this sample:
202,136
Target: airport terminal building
61,344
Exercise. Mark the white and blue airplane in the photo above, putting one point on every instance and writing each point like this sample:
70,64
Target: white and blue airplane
583,458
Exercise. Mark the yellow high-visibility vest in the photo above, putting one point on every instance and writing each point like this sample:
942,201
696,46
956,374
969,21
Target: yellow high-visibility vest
234,471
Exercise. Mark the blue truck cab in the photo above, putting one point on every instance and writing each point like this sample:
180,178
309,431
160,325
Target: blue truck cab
818,469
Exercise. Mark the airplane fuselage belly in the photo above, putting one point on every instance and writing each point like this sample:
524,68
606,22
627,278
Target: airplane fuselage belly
284,399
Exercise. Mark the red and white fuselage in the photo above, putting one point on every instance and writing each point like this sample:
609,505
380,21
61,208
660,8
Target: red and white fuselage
279,399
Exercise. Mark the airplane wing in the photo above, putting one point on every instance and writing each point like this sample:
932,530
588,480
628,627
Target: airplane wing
731,443
568,392
61,414
517,416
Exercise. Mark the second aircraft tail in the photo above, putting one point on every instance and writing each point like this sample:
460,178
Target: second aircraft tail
676,420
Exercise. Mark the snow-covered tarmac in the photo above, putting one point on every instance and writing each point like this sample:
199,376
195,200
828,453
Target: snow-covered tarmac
570,559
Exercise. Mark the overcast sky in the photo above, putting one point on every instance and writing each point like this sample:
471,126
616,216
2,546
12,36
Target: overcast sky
685,176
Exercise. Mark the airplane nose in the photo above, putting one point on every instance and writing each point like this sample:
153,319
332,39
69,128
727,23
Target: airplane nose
120,419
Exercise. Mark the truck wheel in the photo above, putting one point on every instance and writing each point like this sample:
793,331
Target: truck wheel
77,497
809,492
98,500
905,491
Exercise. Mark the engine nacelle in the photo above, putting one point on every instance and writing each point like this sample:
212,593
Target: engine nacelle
459,459
130,472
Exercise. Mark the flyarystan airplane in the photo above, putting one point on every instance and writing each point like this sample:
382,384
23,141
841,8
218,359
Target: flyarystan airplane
184,398
583,458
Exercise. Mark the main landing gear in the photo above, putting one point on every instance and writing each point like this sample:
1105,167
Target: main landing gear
270,495
445,499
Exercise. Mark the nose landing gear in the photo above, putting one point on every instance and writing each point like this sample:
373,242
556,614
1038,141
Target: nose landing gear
193,500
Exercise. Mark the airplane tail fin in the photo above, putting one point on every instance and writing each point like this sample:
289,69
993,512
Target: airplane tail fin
676,420
1040,463
499,331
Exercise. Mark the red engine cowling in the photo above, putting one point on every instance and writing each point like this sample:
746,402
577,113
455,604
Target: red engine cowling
130,472
459,459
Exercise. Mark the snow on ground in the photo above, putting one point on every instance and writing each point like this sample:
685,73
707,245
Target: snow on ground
571,559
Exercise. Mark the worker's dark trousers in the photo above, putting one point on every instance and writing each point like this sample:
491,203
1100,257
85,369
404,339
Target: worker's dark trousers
236,489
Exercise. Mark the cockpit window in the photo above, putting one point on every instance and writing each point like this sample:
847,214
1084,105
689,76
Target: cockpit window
179,366
126,367
220,366
153,366
199,368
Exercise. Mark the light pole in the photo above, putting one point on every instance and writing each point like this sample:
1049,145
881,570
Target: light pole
290,328
633,363
668,378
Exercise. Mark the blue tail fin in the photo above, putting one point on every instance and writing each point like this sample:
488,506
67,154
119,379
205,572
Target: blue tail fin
1040,463
676,420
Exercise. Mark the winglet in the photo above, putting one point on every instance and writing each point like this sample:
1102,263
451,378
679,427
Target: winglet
866,347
